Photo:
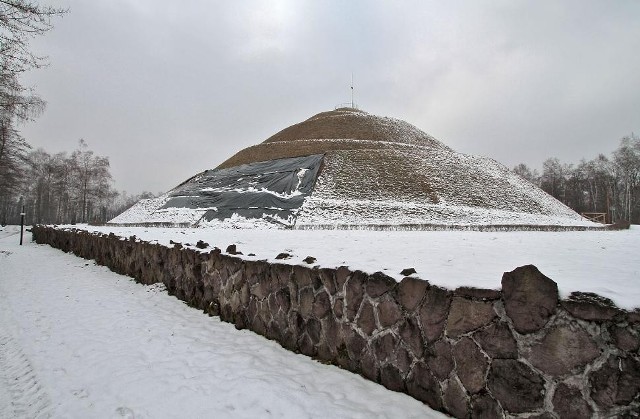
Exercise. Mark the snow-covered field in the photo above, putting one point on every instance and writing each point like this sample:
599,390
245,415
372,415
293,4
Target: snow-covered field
78,341
604,262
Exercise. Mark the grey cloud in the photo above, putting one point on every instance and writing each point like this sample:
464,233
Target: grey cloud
166,89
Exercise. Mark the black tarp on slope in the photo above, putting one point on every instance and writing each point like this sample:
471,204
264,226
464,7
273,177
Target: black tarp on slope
272,190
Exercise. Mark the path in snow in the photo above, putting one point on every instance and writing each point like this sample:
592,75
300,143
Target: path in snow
21,395
85,342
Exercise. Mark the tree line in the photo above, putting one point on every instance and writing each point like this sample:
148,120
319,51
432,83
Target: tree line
64,188
58,188
606,184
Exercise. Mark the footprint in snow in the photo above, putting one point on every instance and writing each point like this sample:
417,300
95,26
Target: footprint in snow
124,412
81,394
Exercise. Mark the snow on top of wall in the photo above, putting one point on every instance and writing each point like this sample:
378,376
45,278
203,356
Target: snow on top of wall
603,262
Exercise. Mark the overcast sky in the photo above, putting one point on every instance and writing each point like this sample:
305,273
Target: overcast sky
166,89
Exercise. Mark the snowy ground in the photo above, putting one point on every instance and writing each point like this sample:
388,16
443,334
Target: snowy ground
604,262
78,341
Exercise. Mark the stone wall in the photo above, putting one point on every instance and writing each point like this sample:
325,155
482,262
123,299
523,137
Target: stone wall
518,352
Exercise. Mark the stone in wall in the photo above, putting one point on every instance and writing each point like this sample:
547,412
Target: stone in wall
434,312
569,403
379,284
366,319
368,366
590,306
634,316
563,349
471,365
477,293
467,315
483,406
328,278
321,305
410,292
386,350
422,385
342,274
497,341
388,313
412,335
455,399
332,336
516,386
625,339
617,382
384,347
306,298
440,359
338,308
391,378
403,360
530,298
354,294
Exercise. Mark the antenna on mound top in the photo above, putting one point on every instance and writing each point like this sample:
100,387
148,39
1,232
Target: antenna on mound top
346,105
352,90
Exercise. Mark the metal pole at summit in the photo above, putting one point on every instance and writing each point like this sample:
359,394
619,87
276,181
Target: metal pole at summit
351,90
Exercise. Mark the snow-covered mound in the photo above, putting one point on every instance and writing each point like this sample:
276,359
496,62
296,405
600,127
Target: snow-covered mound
349,168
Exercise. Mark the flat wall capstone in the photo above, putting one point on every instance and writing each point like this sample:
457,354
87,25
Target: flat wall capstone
472,353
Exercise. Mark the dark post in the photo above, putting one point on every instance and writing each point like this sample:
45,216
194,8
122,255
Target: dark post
21,223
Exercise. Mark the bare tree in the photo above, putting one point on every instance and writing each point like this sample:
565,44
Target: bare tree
92,179
526,173
64,188
606,185
627,164
21,21
554,178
